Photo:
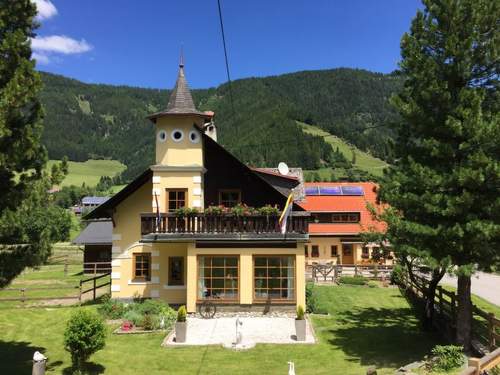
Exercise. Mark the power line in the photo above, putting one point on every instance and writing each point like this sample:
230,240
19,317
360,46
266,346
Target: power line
225,56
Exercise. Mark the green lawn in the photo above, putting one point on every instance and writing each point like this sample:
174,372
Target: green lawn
366,326
364,160
90,171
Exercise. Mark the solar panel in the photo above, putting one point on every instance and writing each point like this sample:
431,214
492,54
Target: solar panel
352,190
313,190
330,190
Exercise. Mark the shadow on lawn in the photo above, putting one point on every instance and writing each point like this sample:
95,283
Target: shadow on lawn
16,357
89,368
385,337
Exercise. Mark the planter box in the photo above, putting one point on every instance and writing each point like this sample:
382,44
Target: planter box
300,329
180,331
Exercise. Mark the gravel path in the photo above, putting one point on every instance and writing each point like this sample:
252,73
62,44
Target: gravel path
254,330
485,285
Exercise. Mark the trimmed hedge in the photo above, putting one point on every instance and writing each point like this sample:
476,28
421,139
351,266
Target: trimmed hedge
349,280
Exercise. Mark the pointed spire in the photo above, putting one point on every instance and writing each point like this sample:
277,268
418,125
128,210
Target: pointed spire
181,100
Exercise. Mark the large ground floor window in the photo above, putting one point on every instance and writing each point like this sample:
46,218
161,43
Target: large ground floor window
274,278
218,277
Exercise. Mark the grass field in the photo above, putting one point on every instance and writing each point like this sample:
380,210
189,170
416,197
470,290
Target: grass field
90,171
366,327
364,160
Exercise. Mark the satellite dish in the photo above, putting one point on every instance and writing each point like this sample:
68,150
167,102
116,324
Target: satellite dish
283,169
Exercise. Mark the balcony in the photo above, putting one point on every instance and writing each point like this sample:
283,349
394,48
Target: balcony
203,226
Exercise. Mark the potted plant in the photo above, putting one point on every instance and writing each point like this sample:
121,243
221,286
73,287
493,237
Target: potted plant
181,325
300,324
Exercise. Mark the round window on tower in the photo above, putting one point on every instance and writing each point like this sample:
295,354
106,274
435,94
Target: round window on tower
162,136
194,136
177,135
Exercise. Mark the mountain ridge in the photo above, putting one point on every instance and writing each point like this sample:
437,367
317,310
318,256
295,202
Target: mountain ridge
94,121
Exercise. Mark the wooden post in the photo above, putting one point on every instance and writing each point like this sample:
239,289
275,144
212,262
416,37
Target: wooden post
80,293
375,271
95,269
66,266
440,297
355,270
23,297
474,362
491,329
453,310
94,289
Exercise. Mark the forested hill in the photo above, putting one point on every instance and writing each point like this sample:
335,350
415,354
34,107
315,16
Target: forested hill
102,121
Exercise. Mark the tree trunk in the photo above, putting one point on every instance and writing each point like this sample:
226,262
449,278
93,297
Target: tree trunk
428,318
464,313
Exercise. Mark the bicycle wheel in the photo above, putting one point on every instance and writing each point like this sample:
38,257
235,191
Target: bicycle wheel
207,310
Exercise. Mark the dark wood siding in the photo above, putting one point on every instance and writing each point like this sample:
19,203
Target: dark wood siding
224,171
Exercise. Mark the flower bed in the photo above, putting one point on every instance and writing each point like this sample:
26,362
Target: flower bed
140,316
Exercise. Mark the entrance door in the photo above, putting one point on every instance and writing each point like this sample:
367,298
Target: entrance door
347,253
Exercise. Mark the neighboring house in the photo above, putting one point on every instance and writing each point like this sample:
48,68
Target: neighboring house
339,214
97,240
89,203
160,251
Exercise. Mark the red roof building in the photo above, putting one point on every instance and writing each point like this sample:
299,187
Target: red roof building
339,212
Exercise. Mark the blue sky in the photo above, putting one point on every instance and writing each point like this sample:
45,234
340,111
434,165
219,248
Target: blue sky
137,43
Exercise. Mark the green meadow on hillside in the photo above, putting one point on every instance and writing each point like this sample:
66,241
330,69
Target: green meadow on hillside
364,160
89,171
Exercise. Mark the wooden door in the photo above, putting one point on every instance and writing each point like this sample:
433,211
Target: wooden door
347,253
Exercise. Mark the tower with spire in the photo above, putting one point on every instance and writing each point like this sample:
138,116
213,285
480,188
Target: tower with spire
179,146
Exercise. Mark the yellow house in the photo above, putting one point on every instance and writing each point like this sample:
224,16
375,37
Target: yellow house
173,240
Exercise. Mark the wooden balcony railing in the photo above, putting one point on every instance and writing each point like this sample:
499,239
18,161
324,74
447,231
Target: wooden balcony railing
226,224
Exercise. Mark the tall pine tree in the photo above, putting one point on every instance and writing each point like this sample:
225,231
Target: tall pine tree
22,157
445,183
29,222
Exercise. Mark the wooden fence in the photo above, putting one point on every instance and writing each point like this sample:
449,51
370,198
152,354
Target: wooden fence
96,268
329,272
80,290
94,287
478,366
486,326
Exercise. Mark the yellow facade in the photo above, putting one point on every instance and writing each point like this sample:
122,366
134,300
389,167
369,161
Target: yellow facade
179,165
325,244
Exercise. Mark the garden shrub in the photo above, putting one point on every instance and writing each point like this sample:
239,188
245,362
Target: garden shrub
372,284
310,298
112,309
134,317
149,322
149,306
84,335
181,314
447,357
349,280
397,275
300,313
169,315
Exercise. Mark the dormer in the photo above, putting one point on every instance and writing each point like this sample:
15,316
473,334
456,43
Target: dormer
179,127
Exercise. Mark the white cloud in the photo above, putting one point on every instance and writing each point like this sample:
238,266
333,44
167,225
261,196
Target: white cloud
40,58
45,9
60,44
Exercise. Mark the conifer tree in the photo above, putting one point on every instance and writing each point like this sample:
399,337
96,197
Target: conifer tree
29,223
22,157
445,183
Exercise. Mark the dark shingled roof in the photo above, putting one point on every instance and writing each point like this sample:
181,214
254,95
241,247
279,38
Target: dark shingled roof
181,101
96,233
